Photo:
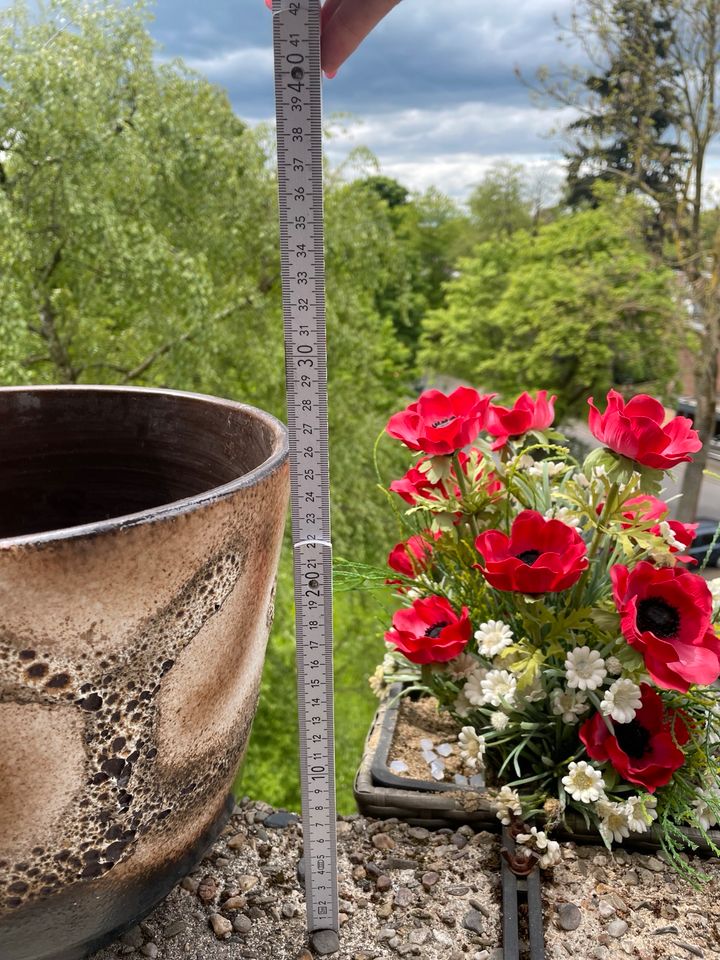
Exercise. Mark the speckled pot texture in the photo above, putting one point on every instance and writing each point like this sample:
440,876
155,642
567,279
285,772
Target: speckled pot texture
139,539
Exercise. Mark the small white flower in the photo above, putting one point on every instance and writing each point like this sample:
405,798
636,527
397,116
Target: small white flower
613,666
499,688
600,471
539,841
462,705
552,856
669,537
532,693
472,747
499,721
507,804
462,666
584,783
622,701
614,823
585,669
492,637
525,461
568,704
714,585
412,594
554,468
641,812
473,688
704,813
377,681
582,480
536,839
566,514
389,664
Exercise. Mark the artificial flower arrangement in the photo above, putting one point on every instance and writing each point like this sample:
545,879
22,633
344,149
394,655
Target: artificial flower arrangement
548,606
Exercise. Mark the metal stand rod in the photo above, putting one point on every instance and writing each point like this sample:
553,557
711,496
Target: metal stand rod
515,890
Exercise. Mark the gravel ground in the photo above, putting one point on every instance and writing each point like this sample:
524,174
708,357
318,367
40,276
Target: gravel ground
405,891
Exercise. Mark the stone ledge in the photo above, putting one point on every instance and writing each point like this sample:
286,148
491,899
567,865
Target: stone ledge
406,891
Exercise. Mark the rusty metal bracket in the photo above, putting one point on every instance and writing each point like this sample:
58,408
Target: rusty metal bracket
520,885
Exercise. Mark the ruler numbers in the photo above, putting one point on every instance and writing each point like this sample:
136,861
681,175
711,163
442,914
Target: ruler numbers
296,41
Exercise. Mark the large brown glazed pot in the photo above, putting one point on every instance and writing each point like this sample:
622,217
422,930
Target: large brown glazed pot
139,540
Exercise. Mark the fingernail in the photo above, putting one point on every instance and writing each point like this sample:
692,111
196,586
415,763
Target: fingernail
330,74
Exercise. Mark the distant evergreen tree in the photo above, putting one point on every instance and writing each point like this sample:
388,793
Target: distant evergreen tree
629,131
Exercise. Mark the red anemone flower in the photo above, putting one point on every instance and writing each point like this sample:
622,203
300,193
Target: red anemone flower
430,631
415,483
526,414
645,751
646,507
665,614
635,430
410,556
440,424
539,556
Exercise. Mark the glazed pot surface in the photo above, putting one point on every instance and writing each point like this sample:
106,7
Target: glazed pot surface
139,537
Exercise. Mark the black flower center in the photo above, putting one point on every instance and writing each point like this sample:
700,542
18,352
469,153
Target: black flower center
436,628
444,422
657,616
633,738
528,556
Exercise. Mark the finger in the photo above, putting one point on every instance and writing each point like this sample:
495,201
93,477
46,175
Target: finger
349,24
328,11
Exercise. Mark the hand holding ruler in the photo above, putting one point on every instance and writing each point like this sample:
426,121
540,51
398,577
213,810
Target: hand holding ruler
298,104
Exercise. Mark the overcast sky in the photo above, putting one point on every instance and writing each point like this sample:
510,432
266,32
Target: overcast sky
432,91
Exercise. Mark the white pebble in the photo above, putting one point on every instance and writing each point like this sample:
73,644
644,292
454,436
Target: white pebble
437,769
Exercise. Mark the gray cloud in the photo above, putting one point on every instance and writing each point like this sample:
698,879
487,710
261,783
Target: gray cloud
432,92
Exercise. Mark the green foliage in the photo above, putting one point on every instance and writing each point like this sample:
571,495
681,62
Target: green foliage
427,234
500,204
577,308
110,171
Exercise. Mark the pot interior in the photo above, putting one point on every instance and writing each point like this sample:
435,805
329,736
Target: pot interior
73,455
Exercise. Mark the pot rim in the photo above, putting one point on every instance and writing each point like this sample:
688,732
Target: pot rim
174,508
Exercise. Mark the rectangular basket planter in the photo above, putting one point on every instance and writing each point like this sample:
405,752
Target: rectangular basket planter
381,793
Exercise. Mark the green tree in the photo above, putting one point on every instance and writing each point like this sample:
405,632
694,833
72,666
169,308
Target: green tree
110,171
627,132
501,204
427,234
683,82
577,308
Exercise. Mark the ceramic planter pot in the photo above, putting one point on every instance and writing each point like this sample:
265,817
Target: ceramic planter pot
139,538
381,793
